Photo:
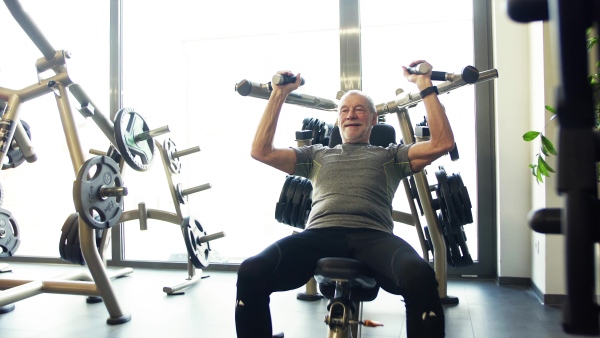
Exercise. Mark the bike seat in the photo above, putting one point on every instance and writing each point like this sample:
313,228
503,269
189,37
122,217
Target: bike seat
356,274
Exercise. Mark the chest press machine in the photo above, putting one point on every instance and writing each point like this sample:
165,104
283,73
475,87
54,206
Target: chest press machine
348,282
98,190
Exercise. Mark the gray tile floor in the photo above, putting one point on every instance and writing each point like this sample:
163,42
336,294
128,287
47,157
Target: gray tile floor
486,310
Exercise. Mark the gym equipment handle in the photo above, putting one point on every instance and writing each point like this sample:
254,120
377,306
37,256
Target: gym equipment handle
281,79
406,100
263,91
469,74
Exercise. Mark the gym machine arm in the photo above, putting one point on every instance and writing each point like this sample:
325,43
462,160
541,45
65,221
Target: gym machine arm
400,106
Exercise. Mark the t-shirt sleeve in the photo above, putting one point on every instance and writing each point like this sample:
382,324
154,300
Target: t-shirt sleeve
304,159
400,153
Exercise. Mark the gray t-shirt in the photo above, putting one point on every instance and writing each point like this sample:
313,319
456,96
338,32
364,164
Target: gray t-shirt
353,184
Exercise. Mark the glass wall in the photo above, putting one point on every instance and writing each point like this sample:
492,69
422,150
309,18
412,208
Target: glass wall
181,64
444,37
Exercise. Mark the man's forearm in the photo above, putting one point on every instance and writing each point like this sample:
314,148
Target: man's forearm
441,135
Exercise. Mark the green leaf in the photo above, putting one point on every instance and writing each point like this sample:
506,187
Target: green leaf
539,176
551,109
549,145
541,168
546,166
544,150
532,166
530,135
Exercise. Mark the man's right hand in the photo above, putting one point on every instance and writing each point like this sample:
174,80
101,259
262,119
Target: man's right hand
289,87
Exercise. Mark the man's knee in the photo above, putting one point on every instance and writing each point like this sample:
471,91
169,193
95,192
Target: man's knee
256,269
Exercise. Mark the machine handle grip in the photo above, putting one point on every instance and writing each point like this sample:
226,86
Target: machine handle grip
469,74
281,79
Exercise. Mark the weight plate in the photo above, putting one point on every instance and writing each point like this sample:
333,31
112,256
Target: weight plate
305,205
9,234
139,154
96,209
14,155
192,232
69,241
70,246
179,193
173,163
315,130
464,194
288,200
305,123
296,201
456,199
280,206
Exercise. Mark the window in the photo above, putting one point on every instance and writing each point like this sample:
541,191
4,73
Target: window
180,69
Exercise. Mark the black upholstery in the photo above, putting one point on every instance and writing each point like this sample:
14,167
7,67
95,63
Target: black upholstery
363,287
381,135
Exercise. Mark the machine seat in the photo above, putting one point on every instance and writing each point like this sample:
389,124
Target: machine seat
358,275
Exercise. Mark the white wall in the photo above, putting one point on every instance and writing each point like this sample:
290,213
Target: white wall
528,77
513,193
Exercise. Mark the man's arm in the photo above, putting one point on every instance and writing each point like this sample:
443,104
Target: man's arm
263,150
441,138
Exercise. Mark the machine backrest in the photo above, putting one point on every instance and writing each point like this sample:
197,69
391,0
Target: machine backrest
381,135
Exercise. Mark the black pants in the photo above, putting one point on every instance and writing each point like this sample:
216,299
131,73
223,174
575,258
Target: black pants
290,263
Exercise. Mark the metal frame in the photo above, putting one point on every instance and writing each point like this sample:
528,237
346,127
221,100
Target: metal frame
74,283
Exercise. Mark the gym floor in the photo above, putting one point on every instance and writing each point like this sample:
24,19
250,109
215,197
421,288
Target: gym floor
206,310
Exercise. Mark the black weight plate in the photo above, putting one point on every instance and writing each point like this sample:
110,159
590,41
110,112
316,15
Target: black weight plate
305,123
315,131
66,235
288,200
70,246
310,125
14,155
170,149
9,234
95,210
303,204
464,194
137,154
458,204
198,252
322,131
280,206
296,201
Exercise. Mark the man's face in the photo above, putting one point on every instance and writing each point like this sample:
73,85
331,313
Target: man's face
355,120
